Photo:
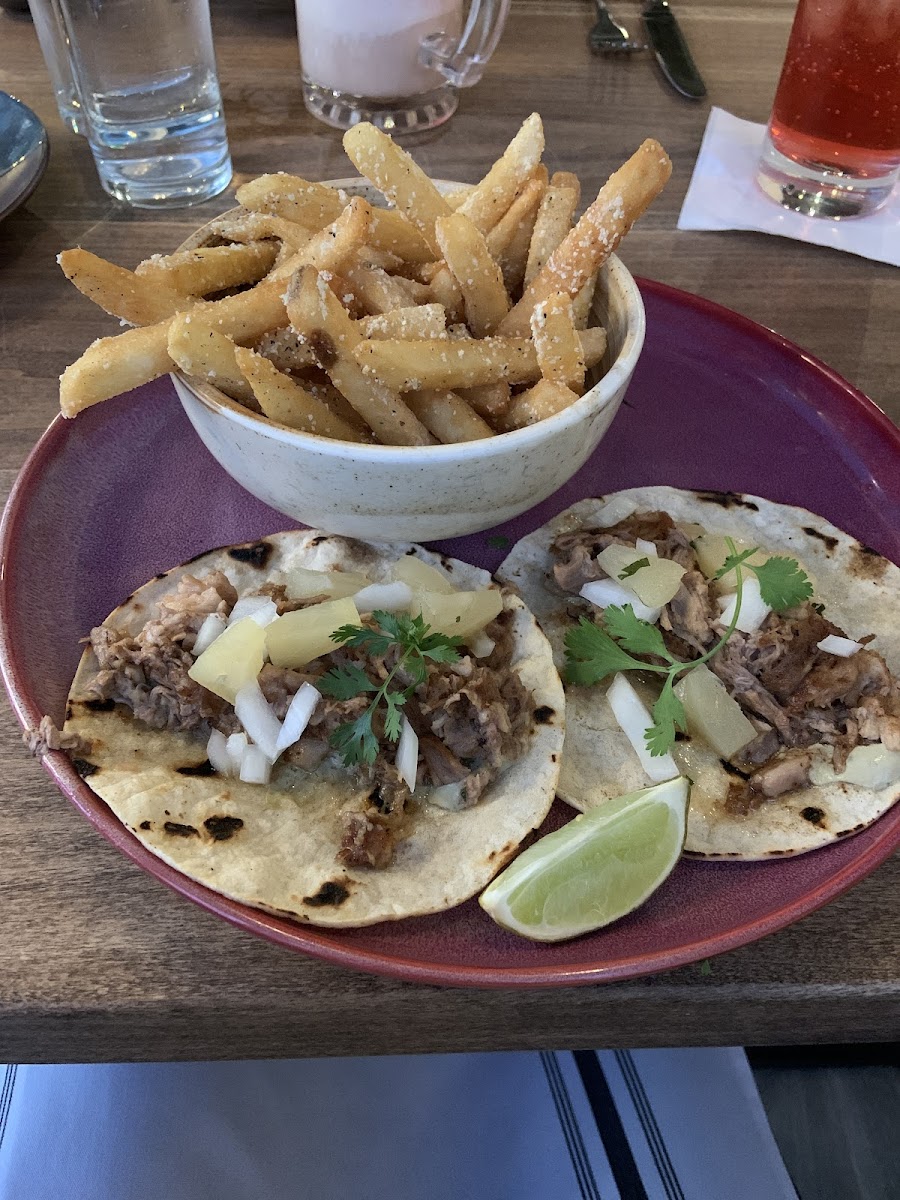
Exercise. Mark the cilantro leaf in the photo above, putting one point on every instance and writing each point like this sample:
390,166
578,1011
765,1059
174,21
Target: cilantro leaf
343,683
735,560
591,654
356,740
637,565
640,637
782,583
668,716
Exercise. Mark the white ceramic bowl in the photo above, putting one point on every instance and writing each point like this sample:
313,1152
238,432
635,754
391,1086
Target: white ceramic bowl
419,493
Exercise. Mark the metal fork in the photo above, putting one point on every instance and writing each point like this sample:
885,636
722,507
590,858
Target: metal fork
609,37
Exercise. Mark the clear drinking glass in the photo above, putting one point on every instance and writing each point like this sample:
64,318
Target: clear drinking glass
146,74
52,39
832,148
397,64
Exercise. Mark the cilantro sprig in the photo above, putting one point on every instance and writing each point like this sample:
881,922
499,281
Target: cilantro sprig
356,741
594,652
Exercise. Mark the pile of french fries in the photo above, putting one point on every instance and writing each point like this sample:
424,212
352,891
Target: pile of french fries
441,318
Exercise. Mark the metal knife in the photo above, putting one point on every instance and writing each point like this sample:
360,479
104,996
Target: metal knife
671,50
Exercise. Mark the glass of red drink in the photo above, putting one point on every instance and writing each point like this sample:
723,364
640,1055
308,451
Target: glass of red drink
832,147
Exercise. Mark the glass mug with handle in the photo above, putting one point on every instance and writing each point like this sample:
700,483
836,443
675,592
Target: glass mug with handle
396,64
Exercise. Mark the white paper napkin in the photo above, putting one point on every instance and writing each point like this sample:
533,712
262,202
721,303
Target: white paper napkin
724,194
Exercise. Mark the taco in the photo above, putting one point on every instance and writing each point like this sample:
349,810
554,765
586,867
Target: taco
809,694
313,838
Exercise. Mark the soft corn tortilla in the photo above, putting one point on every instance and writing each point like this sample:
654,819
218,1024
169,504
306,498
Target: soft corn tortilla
282,858
860,591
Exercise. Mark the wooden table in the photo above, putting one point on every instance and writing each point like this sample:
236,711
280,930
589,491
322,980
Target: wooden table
97,960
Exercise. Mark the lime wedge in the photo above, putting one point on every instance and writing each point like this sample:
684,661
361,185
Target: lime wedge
594,870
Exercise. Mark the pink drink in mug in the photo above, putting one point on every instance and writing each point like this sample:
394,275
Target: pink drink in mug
833,142
396,64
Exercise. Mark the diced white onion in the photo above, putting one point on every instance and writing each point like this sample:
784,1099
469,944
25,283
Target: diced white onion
872,766
235,745
407,760
255,714
212,626
841,646
648,548
296,719
448,796
754,609
255,766
481,645
635,720
262,609
217,753
604,592
388,597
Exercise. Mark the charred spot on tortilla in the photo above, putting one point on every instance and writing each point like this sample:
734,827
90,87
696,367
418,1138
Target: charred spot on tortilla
178,830
255,555
854,829
332,893
815,816
544,715
728,500
828,542
145,825
866,563
69,712
323,348
106,705
202,768
84,767
731,769
222,828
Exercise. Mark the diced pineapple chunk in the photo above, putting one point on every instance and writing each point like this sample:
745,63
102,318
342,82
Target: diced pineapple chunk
654,584
712,713
461,614
421,576
712,550
296,638
233,660
303,584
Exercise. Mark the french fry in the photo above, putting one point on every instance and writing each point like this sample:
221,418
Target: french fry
520,213
332,247
398,176
446,291
462,363
209,268
448,416
314,205
567,179
553,222
489,199
421,321
583,302
376,290
556,342
255,226
541,401
285,349
489,400
284,401
318,316
457,198
119,292
114,365
118,364
602,226
480,279
330,396
208,355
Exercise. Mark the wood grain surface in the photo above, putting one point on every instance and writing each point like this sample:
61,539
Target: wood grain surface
100,962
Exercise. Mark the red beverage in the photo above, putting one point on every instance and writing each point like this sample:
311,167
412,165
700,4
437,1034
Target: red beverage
838,99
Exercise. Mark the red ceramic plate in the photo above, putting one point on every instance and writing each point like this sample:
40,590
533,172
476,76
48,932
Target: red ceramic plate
127,490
